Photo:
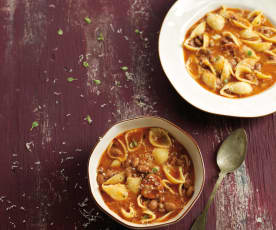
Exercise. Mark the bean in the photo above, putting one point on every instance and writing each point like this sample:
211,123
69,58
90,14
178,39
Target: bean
190,191
153,204
169,206
188,183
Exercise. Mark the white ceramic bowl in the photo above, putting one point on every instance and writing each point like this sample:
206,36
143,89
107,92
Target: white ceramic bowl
182,15
184,138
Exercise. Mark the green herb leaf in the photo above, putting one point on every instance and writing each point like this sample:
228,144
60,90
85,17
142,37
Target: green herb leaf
70,79
85,64
97,82
87,20
249,53
34,125
100,37
138,31
155,170
124,68
60,32
88,119
145,216
133,144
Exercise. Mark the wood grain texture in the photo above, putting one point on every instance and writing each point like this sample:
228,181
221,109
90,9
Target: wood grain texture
43,172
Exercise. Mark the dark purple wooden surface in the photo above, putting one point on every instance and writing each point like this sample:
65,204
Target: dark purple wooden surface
43,172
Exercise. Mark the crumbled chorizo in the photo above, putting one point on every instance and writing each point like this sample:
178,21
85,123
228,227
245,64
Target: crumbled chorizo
151,186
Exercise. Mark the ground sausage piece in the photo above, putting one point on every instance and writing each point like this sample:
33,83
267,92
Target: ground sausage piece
249,76
153,204
198,42
143,168
151,186
100,178
258,66
169,206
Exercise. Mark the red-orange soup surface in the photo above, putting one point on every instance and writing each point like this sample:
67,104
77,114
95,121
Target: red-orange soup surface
232,52
146,176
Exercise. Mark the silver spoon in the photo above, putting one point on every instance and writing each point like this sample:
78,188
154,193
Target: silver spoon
230,156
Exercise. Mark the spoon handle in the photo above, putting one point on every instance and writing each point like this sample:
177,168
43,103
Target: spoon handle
200,222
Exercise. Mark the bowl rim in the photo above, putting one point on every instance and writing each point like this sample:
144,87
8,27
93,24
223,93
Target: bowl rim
161,224
194,102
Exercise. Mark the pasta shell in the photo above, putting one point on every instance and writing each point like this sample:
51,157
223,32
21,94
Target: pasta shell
116,191
258,46
162,218
215,21
245,66
128,214
256,17
192,60
133,139
227,71
249,34
171,178
209,79
207,63
193,48
249,52
261,75
232,37
140,203
240,88
116,179
151,216
159,138
189,47
117,150
219,63
270,39
242,23
133,184
165,184
199,30
160,155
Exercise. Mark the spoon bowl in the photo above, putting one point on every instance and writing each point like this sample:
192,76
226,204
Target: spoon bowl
232,152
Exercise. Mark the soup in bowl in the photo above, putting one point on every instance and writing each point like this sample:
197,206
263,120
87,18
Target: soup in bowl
146,172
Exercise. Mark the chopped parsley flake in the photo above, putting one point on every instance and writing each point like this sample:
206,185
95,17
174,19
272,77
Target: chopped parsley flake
88,119
87,20
138,31
100,37
155,170
85,64
124,68
249,52
145,216
34,125
60,32
97,82
70,79
133,144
